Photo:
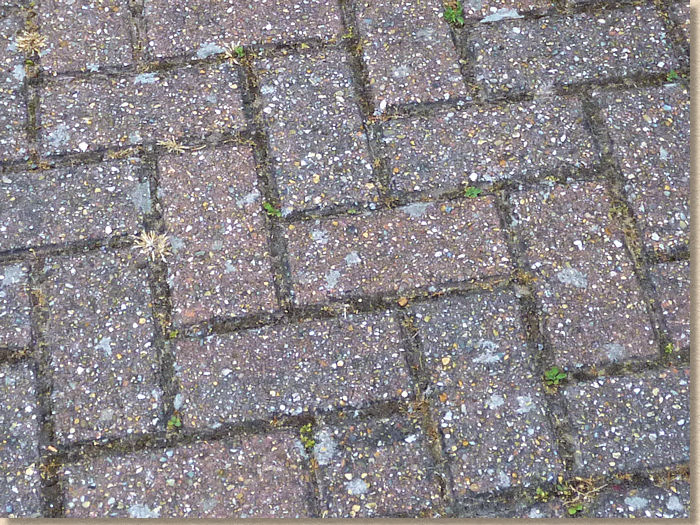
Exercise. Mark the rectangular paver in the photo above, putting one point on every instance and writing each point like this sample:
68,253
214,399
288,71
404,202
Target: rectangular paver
541,54
20,483
317,143
14,142
593,307
100,335
375,468
253,476
69,204
212,208
644,502
396,250
85,34
650,131
97,112
672,284
408,52
11,57
15,307
490,11
291,369
448,149
489,401
627,424
204,27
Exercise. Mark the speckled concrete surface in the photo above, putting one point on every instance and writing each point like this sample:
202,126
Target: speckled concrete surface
314,367
539,55
20,485
488,399
650,131
318,146
221,259
344,258
73,204
594,308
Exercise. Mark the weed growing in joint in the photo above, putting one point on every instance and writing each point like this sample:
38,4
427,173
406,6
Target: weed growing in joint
174,422
472,192
152,245
234,52
454,13
672,76
271,210
305,433
31,42
171,145
554,376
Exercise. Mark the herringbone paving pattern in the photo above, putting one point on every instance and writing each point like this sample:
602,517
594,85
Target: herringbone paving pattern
344,258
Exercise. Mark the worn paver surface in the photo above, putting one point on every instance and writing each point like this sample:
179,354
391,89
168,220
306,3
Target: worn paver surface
345,258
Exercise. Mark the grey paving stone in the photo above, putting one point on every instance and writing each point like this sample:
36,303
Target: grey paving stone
253,476
85,114
408,52
679,13
650,130
395,250
542,54
11,57
100,335
85,34
450,148
15,307
497,10
221,262
204,27
291,369
593,308
20,483
375,468
672,283
13,121
625,424
644,502
317,143
70,204
489,402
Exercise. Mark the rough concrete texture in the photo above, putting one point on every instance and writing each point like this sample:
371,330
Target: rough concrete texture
672,284
626,424
447,150
408,53
20,483
72,204
251,476
488,396
100,335
378,468
396,251
15,306
318,146
206,27
290,370
650,131
381,224
672,501
85,114
542,54
85,35
594,309
213,215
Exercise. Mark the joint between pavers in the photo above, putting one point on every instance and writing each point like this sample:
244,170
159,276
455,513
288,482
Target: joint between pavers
260,145
532,321
48,461
360,83
621,214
